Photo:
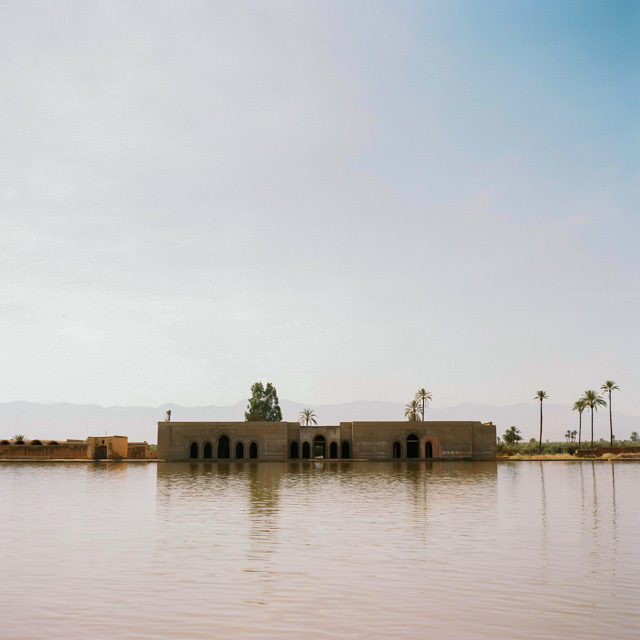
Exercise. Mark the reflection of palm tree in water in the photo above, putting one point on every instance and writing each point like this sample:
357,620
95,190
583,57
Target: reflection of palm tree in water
544,537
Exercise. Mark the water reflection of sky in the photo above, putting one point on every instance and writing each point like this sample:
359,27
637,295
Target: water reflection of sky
321,549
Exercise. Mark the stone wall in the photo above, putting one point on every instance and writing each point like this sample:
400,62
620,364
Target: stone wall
62,451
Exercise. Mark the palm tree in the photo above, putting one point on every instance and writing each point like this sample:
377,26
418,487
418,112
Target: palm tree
412,410
308,416
574,433
593,400
610,386
424,396
567,435
540,396
580,405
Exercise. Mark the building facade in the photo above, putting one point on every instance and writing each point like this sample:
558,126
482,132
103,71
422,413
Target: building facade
350,440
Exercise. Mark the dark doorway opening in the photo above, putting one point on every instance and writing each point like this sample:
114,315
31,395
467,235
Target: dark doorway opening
193,451
428,450
253,451
208,450
293,454
224,450
101,452
306,450
319,447
239,451
345,453
397,450
413,447
333,450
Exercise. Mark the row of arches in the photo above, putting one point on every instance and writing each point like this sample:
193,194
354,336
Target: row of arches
224,450
412,448
319,449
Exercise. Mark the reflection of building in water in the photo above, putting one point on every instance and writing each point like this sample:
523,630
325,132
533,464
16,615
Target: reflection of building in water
350,440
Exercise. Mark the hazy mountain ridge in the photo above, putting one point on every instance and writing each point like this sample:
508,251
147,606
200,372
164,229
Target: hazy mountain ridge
68,420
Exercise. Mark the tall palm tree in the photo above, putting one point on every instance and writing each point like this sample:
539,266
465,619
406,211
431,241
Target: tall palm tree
424,396
567,435
307,416
593,400
608,387
412,410
580,405
540,396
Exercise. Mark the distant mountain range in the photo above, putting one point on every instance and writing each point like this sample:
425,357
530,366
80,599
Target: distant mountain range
66,420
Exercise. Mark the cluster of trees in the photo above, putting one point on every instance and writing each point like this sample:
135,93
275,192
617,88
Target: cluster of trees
591,400
414,410
263,404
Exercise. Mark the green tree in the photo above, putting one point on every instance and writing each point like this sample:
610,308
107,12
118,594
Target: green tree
412,411
512,435
540,396
308,416
263,404
19,438
574,433
593,400
423,396
634,437
567,435
580,405
608,387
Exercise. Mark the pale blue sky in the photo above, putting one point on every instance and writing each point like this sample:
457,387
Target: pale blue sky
350,199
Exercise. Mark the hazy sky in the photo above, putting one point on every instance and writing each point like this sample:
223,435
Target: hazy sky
349,199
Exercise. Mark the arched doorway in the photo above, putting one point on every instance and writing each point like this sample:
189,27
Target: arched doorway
306,450
239,451
224,450
413,446
319,447
293,452
333,450
193,451
397,450
208,450
345,453
428,450
253,451
101,452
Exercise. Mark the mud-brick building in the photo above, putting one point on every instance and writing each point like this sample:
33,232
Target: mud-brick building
93,448
349,440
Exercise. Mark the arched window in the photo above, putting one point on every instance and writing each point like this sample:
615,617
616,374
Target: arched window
53,443
293,451
397,450
333,450
5,442
413,446
319,447
306,451
253,451
208,450
345,453
193,451
428,450
36,442
239,451
224,450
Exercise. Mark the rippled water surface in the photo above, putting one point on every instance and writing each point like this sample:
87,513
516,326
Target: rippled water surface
320,550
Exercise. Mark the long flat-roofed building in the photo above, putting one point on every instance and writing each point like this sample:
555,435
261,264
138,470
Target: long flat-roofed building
350,440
